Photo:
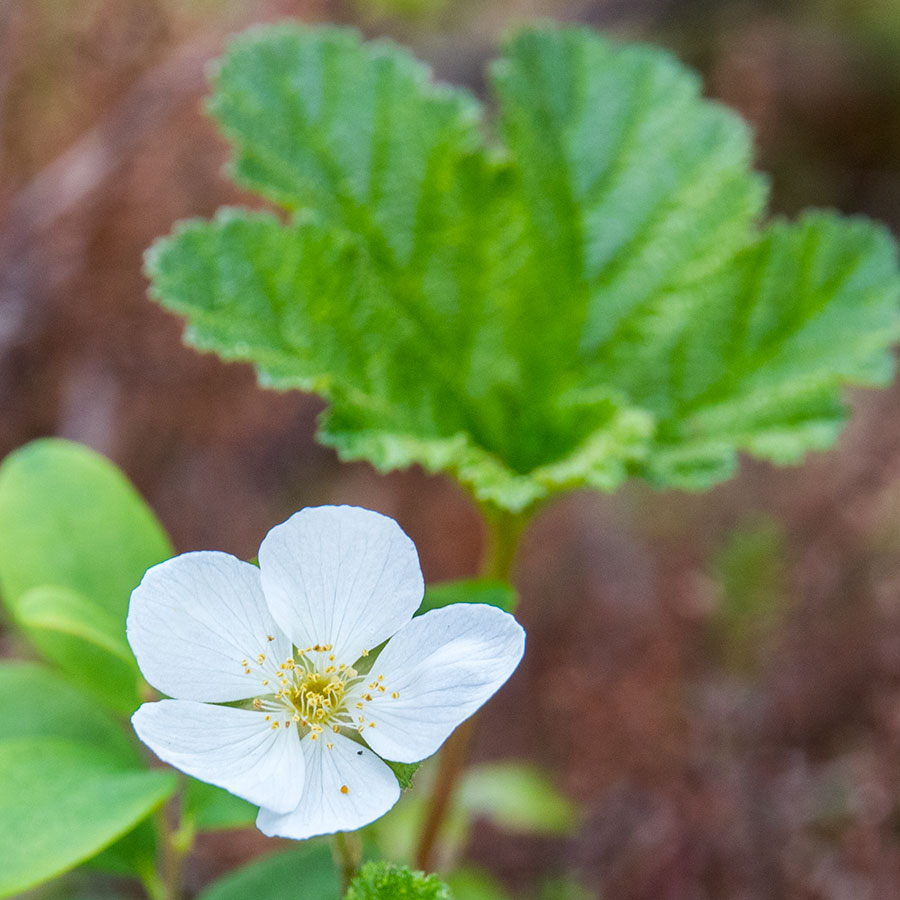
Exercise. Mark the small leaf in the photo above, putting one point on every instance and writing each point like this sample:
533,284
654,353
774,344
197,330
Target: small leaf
404,772
210,808
517,797
385,881
64,802
469,590
306,872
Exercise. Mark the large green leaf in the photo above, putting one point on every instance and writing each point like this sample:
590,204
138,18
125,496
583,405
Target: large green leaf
75,539
69,517
63,802
587,296
307,871
85,641
35,702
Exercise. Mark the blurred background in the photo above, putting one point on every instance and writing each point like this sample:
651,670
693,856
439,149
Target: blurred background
715,679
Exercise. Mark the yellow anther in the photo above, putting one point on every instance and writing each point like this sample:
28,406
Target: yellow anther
261,658
270,637
314,736
364,653
265,681
381,688
345,789
246,671
395,695
268,718
367,697
381,677
359,705
296,717
330,746
331,657
360,728
335,728
274,725
361,719
244,662
257,703
371,724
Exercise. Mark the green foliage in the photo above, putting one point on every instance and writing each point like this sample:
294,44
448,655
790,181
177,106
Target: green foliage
471,883
404,772
35,702
587,295
304,873
209,808
469,590
64,801
75,539
512,796
517,797
385,881
85,641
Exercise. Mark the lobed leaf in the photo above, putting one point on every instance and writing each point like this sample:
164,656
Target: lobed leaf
385,881
586,296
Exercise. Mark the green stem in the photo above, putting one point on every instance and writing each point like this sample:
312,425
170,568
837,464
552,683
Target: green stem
175,836
504,530
347,852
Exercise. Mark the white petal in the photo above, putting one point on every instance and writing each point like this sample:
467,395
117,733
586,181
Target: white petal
340,575
443,666
236,749
372,789
197,622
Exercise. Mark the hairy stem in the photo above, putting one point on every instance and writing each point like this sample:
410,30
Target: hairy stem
347,852
504,530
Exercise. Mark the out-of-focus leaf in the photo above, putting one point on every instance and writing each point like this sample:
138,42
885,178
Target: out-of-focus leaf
211,808
63,802
516,797
471,883
83,640
306,872
469,590
385,881
35,702
69,517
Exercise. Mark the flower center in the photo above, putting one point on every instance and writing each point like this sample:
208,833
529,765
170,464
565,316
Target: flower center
317,697
310,690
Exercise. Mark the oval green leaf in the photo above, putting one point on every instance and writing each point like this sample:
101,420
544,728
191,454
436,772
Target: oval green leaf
62,803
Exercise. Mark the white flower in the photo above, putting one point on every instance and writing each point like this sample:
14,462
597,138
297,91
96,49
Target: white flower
287,646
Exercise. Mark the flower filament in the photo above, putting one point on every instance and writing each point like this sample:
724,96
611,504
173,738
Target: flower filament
315,692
